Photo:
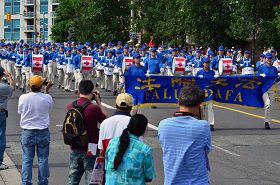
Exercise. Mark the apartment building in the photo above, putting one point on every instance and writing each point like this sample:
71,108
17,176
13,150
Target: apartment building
31,20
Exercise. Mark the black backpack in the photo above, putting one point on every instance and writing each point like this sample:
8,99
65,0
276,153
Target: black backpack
74,129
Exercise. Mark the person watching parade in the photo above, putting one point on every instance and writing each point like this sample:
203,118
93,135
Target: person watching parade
35,134
186,141
6,91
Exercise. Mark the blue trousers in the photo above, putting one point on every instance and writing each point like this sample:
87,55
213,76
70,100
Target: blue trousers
2,135
35,141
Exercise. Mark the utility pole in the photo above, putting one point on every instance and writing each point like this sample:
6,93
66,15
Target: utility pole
132,13
35,21
43,35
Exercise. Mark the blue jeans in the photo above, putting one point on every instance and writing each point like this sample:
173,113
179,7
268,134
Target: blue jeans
79,164
2,135
31,141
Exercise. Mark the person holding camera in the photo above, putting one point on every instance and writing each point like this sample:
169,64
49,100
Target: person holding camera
81,161
34,108
6,91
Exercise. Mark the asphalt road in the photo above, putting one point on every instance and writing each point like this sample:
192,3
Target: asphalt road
243,151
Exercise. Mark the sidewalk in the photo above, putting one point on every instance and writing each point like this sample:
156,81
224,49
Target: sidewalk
11,176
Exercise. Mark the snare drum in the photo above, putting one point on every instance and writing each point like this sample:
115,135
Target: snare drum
108,71
116,71
178,66
127,62
248,71
277,65
225,66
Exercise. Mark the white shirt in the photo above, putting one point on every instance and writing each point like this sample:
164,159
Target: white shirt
112,127
35,110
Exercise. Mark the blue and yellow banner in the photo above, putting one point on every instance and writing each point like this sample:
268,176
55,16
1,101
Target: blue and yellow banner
240,90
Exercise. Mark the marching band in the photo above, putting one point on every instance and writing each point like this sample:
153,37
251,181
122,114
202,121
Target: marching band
109,63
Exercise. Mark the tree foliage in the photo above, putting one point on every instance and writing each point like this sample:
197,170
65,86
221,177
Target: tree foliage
205,22
96,21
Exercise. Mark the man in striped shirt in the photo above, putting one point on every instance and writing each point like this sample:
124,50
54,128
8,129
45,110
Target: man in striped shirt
186,141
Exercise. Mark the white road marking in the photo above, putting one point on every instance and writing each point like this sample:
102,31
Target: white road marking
58,125
152,126
226,151
273,162
108,106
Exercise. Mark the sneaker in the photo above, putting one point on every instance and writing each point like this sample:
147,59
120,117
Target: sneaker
266,125
96,85
212,127
3,167
59,86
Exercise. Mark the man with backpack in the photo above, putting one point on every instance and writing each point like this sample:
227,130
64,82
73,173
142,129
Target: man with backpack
80,131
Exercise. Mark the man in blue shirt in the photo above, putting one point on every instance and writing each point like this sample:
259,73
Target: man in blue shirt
267,70
186,141
207,72
154,64
137,68
214,65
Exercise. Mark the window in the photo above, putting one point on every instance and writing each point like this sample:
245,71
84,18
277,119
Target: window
43,6
12,6
12,30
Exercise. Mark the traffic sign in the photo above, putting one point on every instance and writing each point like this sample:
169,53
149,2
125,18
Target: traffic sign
132,35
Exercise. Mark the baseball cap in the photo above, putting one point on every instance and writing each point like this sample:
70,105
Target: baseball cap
268,55
205,59
124,100
2,70
136,55
262,55
221,48
246,52
153,49
36,80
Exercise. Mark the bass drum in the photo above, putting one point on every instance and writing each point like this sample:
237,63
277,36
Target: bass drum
225,66
127,62
178,66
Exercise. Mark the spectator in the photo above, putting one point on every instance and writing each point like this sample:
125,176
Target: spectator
34,121
129,160
6,91
80,162
186,141
114,126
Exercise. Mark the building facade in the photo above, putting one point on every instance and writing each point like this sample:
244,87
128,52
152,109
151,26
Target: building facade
31,19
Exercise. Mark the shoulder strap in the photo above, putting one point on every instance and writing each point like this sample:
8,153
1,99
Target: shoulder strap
74,103
87,103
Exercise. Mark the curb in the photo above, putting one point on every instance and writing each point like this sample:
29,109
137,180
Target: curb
10,176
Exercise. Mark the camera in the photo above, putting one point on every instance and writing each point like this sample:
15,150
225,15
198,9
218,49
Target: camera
95,93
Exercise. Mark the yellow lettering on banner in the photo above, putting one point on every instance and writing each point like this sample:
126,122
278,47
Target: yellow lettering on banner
228,94
155,95
165,94
207,94
218,95
148,84
176,94
220,81
238,97
249,83
182,81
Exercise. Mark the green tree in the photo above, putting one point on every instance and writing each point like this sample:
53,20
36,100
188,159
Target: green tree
95,21
254,19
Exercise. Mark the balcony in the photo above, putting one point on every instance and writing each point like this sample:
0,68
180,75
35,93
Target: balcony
28,15
28,2
28,28
53,14
55,1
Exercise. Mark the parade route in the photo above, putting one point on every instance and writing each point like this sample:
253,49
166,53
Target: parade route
243,151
